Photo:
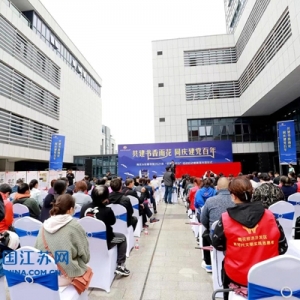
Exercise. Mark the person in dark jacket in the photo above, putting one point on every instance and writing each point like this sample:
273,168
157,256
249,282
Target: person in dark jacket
98,209
288,187
23,197
169,179
276,179
59,188
248,233
144,208
116,197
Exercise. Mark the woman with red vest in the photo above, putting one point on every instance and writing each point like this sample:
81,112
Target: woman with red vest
197,185
248,233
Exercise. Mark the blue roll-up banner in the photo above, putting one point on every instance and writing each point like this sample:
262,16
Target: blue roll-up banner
57,152
287,142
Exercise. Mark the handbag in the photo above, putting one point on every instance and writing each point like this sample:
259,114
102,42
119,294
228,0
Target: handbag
206,236
80,283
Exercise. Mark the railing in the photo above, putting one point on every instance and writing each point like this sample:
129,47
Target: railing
17,12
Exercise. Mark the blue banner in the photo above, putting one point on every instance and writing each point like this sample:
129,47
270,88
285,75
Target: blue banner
287,143
150,159
57,152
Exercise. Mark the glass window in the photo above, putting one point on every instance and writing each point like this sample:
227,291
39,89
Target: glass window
238,129
34,20
43,29
39,25
209,130
202,131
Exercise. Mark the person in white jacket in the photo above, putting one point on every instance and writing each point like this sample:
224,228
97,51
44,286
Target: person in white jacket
34,191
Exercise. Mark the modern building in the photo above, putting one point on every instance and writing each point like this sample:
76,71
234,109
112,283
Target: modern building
97,165
108,145
234,86
46,87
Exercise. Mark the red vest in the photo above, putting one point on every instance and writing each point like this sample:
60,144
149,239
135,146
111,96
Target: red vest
246,247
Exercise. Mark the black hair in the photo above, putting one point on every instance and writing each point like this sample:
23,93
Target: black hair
116,184
60,186
99,194
5,188
23,188
264,177
33,183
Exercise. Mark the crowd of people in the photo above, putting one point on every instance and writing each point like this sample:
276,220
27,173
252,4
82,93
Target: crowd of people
246,231
60,231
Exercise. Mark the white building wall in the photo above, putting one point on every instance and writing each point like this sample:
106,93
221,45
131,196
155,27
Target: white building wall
80,106
274,87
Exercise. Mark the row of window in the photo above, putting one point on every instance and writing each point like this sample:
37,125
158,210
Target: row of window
45,33
24,91
228,55
235,129
234,89
233,14
19,131
13,42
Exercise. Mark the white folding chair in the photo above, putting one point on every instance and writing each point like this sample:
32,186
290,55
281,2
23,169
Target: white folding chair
195,228
77,211
162,191
138,193
27,229
135,205
284,213
121,225
157,195
103,261
174,195
217,258
39,280
20,211
294,199
294,248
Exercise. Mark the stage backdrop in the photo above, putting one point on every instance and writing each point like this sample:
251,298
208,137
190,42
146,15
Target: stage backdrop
150,159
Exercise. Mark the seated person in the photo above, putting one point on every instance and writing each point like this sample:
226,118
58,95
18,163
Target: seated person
59,188
116,197
6,223
248,233
80,197
288,188
23,197
144,208
61,232
97,209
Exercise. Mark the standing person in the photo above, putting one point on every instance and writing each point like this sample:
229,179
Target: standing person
212,212
98,209
59,187
173,167
70,176
23,197
62,232
15,188
6,223
276,178
291,168
244,222
34,191
169,179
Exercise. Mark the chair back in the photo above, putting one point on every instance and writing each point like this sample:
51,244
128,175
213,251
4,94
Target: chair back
294,199
121,216
96,234
139,193
27,229
77,211
135,205
284,213
262,281
38,279
20,211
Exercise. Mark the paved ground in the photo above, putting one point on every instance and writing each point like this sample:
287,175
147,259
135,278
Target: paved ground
167,266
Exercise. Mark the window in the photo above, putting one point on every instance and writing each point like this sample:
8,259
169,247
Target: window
74,63
21,46
159,53
37,131
16,125
39,25
52,40
41,61
162,119
160,85
79,69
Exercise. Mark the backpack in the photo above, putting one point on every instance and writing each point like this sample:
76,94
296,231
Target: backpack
297,229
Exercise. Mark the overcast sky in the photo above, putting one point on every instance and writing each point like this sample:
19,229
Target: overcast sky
115,37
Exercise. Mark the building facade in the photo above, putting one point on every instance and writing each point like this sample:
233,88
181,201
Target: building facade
108,145
46,87
233,86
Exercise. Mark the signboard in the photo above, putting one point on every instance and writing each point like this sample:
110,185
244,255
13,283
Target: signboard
57,152
30,175
287,143
150,159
